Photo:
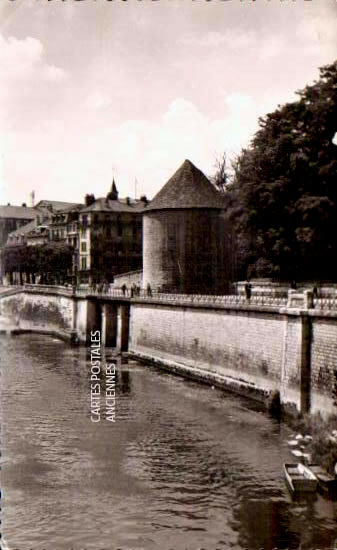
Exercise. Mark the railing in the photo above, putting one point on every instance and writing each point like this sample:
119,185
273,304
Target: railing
294,299
49,289
104,292
262,299
9,290
325,304
255,299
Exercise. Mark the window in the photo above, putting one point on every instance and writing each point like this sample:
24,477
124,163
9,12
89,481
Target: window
83,263
83,247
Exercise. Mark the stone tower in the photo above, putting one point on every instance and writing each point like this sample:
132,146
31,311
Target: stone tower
184,236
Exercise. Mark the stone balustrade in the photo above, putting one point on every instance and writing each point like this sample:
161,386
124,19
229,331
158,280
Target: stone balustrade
49,289
328,304
293,299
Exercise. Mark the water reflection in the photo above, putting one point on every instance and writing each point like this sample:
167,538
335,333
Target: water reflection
183,466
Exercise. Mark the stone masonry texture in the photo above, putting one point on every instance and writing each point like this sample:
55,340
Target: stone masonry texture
256,347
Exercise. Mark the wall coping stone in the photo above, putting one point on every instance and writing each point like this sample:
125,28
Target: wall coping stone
213,305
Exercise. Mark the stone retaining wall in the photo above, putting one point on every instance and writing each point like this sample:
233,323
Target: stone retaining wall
290,350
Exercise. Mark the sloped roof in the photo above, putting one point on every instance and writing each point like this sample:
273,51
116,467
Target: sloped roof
187,188
23,230
56,205
18,212
38,231
76,207
105,205
29,229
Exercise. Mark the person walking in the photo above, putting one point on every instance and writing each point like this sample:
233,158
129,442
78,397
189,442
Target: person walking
248,290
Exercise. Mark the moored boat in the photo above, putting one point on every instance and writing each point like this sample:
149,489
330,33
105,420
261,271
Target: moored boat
327,484
300,478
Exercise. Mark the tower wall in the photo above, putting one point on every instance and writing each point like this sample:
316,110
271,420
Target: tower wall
184,251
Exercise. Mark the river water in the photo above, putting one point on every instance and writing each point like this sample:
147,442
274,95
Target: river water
182,467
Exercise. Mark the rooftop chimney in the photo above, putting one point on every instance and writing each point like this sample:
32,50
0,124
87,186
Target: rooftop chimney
89,199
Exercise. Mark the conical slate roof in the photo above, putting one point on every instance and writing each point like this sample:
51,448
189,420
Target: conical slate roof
187,188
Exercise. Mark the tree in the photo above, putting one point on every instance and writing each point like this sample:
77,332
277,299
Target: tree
50,261
220,178
283,200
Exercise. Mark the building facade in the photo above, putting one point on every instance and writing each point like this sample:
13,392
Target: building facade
110,238
104,236
37,232
14,217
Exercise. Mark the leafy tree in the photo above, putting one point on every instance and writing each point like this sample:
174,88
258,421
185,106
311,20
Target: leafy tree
50,261
283,200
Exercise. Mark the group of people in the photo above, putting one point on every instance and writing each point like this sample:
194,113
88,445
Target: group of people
135,290
101,288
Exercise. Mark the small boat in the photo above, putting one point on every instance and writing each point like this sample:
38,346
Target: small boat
327,484
300,478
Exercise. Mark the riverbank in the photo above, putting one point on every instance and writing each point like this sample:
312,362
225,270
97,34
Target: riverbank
206,376
9,328
322,448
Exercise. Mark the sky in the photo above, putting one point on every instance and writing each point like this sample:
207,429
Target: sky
96,89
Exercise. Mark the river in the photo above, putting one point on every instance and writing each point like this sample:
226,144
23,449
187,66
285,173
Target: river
183,466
